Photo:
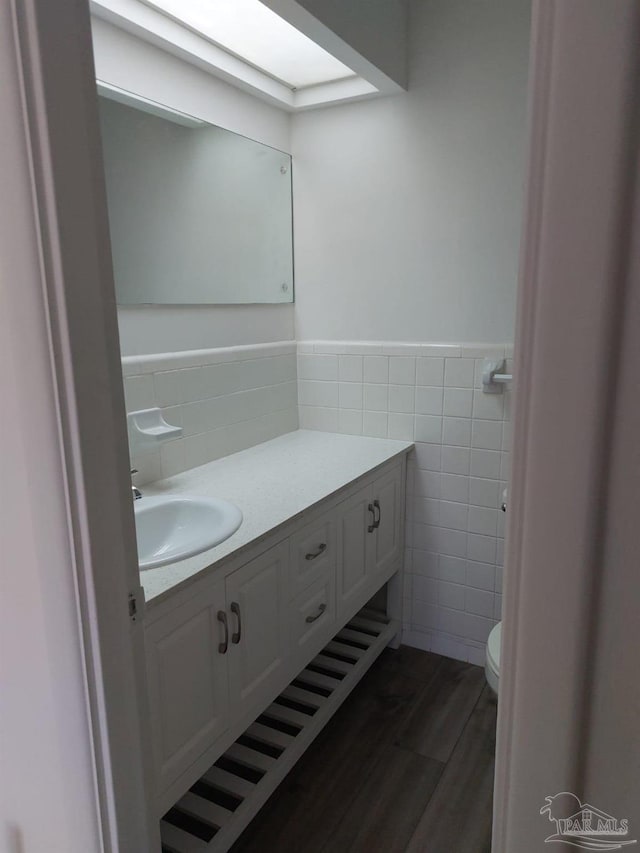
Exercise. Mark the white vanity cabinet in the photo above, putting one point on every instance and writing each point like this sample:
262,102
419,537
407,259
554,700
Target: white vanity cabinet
258,628
187,682
369,539
236,639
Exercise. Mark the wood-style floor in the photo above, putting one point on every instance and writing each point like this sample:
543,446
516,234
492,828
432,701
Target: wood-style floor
405,766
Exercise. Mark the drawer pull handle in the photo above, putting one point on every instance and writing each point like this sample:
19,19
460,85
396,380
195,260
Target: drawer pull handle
321,549
224,645
371,527
235,609
376,522
321,610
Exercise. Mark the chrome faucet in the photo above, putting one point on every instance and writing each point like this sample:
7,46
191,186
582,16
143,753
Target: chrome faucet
137,494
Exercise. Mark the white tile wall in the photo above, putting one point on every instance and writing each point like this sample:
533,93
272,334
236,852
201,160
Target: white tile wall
430,394
225,400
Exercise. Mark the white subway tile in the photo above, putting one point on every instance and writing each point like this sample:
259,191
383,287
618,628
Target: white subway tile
374,424
481,575
425,589
376,398
481,549
483,520
429,400
168,389
313,417
483,492
454,487
139,393
194,418
424,615
400,426
452,543
488,406
350,395
455,460
430,371
424,563
459,372
497,607
426,511
401,398
486,435
350,421
453,515
476,655
428,456
427,484
313,393
456,431
148,466
505,466
350,368
451,569
376,368
451,595
402,370
321,367
173,457
458,402
485,463
477,627
198,449
428,428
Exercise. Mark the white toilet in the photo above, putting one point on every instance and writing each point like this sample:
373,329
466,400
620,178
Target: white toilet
492,665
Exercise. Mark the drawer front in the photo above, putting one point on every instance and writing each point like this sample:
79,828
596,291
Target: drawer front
313,616
313,553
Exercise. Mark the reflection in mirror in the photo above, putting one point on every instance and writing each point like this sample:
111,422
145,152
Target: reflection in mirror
197,214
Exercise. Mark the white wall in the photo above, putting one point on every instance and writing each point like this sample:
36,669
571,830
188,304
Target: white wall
133,64
407,208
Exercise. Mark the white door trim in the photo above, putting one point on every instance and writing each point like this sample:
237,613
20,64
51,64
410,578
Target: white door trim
571,301
50,45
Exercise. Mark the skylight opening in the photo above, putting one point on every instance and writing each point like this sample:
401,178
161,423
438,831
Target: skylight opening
253,32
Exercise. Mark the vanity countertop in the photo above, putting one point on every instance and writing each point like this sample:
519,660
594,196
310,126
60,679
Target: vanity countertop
271,483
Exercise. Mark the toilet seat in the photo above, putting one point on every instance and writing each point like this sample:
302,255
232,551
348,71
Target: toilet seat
492,665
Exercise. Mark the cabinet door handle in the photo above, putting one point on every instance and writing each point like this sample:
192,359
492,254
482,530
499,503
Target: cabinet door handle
376,522
321,610
313,554
224,645
371,527
235,609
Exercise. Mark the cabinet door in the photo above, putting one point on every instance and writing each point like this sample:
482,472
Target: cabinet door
387,500
187,677
355,548
258,621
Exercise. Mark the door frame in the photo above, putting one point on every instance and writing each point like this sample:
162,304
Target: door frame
574,292
68,341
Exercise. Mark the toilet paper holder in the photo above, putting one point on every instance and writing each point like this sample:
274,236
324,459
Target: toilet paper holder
494,377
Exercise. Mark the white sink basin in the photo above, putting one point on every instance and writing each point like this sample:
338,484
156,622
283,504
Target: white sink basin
174,527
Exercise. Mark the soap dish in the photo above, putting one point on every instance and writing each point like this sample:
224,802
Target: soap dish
148,429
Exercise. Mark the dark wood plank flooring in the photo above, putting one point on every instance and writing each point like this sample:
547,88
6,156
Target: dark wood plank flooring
405,766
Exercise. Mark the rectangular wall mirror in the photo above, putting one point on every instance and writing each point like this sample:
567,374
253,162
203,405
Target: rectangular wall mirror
198,214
